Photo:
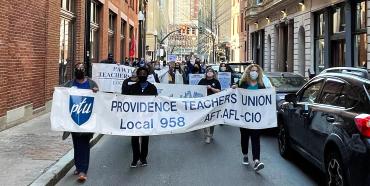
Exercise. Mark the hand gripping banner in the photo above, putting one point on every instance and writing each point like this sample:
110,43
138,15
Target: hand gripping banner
79,110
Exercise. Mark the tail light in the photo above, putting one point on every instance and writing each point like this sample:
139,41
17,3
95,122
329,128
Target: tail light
363,124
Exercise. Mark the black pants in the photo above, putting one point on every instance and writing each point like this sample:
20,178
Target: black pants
255,138
139,152
81,147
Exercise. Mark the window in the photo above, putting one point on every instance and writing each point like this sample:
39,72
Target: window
193,31
94,31
259,2
241,23
65,52
319,41
311,92
94,12
338,19
66,57
132,4
123,39
67,5
360,48
332,93
111,32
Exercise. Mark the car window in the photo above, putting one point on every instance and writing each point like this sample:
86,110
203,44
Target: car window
287,82
310,94
238,68
332,93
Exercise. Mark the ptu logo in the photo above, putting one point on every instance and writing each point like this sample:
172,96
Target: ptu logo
81,108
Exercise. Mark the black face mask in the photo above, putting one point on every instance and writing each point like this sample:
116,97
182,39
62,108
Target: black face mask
142,79
79,74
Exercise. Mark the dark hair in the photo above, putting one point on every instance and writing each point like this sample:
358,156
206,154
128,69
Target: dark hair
140,69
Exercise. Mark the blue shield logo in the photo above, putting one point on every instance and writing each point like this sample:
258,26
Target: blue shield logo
81,108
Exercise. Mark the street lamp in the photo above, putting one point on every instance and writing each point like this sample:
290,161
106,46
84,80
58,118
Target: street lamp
141,18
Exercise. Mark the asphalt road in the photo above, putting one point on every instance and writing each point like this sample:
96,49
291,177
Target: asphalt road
184,159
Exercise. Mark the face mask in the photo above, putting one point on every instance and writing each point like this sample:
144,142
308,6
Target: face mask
79,74
142,79
157,67
210,74
254,75
223,68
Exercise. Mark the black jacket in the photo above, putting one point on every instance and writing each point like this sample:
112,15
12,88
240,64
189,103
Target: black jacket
136,89
126,85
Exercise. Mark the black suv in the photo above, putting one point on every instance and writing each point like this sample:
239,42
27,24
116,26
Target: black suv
328,122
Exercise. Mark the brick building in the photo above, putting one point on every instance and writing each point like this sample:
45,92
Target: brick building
297,36
41,40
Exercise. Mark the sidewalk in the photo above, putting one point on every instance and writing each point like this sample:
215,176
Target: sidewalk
29,149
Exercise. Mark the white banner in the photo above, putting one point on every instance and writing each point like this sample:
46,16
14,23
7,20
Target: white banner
110,77
181,91
225,79
195,78
80,110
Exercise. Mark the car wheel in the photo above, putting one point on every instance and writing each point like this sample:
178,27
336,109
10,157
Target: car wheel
284,148
334,170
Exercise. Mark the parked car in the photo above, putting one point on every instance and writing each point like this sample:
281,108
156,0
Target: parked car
285,83
328,122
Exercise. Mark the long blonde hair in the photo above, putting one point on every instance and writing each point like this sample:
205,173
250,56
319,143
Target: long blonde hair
246,78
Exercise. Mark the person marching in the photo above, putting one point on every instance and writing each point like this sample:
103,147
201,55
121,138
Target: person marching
142,88
81,141
213,86
252,79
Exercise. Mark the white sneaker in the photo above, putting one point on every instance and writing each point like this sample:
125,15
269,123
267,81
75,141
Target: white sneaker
208,140
258,165
245,160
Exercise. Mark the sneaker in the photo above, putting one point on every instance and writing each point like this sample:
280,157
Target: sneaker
144,163
245,160
133,164
258,165
208,140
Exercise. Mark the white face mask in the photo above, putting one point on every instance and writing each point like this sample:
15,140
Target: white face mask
254,75
223,68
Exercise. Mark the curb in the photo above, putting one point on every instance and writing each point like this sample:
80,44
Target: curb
60,168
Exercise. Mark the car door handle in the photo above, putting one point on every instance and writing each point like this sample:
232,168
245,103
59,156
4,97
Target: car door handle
330,119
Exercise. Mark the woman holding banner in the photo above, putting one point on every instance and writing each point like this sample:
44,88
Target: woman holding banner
213,86
252,79
81,141
142,88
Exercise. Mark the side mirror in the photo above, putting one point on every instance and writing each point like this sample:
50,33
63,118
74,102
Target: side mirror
292,98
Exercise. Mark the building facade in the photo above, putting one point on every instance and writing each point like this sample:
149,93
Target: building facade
223,29
29,48
40,42
207,29
302,36
157,22
185,20
235,32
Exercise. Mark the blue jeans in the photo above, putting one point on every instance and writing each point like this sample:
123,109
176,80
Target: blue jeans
81,147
